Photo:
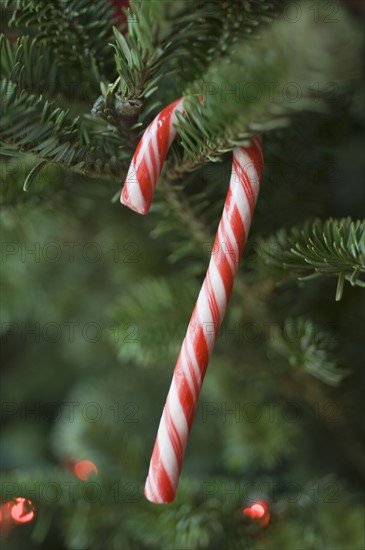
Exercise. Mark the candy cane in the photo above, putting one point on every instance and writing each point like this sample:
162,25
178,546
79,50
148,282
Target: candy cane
178,413
148,159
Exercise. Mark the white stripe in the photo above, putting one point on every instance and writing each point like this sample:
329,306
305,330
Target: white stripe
144,154
157,153
151,171
179,107
218,287
230,249
249,168
151,136
167,453
177,413
224,243
154,485
144,147
185,367
147,491
226,247
206,319
191,358
240,200
255,181
133,189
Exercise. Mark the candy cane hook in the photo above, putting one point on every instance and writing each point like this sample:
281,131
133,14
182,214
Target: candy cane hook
148,159
178,413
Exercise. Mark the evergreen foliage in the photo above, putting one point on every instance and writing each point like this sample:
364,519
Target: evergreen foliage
279,415
331,248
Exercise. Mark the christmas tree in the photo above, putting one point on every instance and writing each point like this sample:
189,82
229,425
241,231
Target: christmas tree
96,299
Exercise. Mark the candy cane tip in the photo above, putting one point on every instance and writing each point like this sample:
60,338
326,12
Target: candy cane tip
126,201
160,496
153,500
151,497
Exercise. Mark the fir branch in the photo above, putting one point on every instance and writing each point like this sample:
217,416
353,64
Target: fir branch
159,43
210,29
138,58
34,125
154,38
263,85
304,346
139,55
329,248
30,65
77,31
167,299
183,214
143,54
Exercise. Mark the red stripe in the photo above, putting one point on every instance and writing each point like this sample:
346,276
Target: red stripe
144,179
255,154
212,301
246,184
162,480
199,343
236,223
186,398
163,129
225,271
153,161
229,250
189,362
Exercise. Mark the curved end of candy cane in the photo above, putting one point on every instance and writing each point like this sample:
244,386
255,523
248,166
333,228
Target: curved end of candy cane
159,487
139,207
156,499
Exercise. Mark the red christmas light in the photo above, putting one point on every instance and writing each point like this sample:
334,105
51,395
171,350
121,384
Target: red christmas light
259,511
84,468
21,510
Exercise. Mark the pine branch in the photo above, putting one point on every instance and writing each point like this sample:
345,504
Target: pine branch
304,346
254,91
330,248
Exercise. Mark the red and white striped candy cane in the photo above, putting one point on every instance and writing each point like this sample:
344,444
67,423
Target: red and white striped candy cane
148,159
178,414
